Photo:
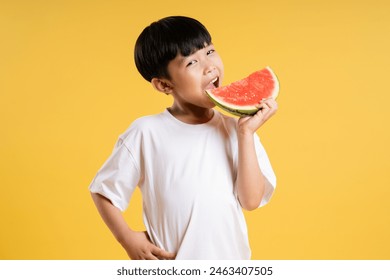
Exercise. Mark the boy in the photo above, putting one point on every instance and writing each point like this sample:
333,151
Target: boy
196,168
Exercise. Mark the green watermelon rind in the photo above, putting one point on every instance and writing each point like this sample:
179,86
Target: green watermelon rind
242,111
237,112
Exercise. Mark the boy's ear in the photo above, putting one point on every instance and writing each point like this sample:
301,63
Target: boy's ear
162,85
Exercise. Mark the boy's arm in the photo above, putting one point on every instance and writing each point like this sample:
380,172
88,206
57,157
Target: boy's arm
137,244
250,179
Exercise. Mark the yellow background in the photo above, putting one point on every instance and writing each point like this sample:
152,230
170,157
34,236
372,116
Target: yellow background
69,87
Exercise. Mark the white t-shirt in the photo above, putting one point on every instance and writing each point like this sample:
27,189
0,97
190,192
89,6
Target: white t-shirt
186,174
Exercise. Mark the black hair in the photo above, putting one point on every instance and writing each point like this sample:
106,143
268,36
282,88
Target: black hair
163,40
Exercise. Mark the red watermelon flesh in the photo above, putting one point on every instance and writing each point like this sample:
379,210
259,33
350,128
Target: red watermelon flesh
241,97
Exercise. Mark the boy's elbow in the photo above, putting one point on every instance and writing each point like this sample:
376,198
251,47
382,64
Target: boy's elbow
251,204
250,207
251,201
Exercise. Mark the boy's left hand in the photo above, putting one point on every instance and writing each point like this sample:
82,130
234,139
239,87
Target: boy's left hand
250,124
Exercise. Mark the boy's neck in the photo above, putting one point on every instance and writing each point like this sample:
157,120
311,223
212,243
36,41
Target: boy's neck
196,115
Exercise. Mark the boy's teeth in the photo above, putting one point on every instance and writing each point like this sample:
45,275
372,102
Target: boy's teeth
212,84
213,81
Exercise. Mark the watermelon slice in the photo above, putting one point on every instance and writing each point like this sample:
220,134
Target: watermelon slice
241,97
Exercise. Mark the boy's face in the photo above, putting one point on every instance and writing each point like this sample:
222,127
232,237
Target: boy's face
193,74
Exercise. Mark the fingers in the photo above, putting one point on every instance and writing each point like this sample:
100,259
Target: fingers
140,247
156,253
162,254
267,108
150,256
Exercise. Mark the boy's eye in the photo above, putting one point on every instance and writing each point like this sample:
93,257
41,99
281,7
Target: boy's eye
210,51
191,62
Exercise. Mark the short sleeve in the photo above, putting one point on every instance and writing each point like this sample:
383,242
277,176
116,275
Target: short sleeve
267,171
118,177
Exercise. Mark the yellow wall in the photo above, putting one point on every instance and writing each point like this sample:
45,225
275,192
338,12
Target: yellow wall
68,88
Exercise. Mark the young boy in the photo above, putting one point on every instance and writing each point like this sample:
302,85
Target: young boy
196,168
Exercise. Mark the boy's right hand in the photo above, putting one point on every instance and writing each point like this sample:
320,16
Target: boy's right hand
139,247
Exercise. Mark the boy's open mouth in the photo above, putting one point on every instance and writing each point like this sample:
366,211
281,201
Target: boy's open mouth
214,83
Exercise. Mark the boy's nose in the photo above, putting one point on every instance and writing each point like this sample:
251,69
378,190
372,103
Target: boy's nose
210,68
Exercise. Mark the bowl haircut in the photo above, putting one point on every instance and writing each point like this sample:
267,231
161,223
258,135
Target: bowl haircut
163,40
